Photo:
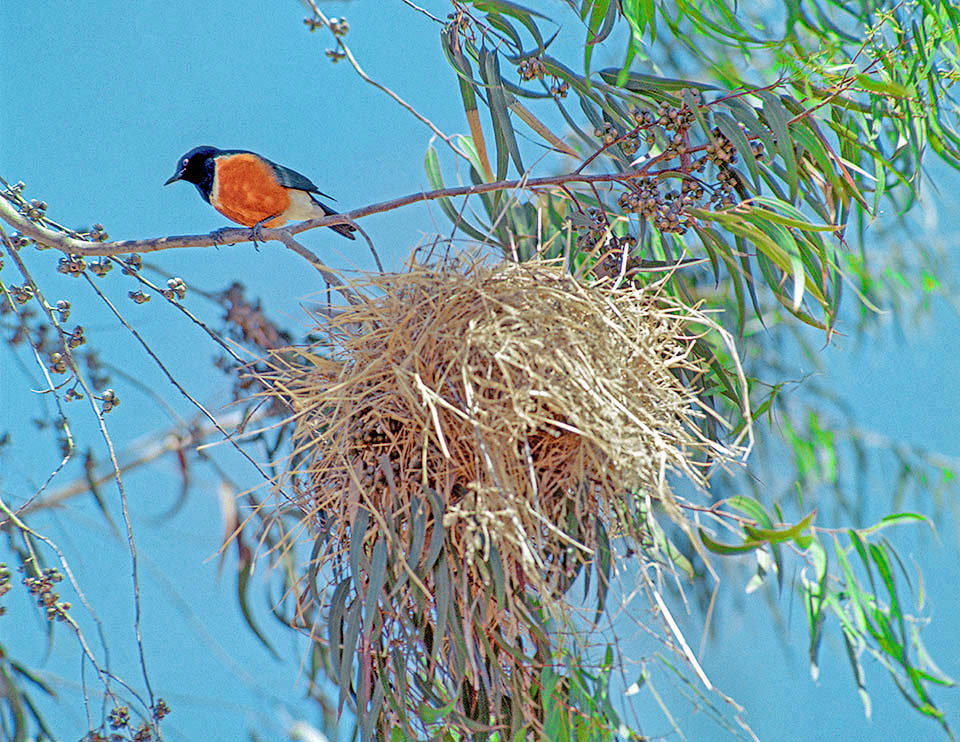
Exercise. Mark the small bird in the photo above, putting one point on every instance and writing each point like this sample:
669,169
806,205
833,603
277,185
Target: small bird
249,189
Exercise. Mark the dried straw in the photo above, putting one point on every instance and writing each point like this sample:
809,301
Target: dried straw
516,408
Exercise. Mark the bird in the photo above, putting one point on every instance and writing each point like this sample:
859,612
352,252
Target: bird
251,190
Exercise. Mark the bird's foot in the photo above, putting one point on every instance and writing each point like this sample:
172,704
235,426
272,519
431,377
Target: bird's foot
218,234
258,232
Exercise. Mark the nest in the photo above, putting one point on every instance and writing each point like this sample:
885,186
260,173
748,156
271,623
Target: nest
490,428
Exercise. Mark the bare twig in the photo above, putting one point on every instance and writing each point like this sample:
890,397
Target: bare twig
141,453
427,13
104,673
108,442
63,421
341,46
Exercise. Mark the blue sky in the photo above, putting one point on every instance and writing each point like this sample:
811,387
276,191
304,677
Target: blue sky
99,101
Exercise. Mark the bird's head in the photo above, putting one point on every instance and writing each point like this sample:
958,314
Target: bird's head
192,166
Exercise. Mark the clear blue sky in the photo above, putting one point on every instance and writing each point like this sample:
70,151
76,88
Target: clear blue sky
99,100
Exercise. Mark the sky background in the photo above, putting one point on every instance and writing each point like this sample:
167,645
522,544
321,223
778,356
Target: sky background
99,100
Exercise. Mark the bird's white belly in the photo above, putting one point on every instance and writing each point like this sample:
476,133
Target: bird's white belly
302,207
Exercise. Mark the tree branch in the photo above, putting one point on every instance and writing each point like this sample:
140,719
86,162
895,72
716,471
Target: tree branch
83,248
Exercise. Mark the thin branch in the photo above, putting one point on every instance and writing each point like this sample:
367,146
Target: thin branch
329,275
177,438
82,248
104,673
63,421
427,13
359,70
108,442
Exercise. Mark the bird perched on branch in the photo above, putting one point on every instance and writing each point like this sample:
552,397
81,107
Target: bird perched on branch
249,189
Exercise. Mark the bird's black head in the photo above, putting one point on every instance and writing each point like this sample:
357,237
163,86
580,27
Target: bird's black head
192,167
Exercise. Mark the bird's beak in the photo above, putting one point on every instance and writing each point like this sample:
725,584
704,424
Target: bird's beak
175,177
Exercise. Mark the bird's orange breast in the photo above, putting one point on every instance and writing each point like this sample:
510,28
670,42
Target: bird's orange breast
246,190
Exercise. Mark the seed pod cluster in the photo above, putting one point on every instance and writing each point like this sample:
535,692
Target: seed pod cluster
531,68
72,265
666,133
176,289
101,268
41,586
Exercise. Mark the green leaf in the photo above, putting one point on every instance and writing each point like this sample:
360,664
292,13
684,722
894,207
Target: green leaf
886,87
314,563
750,507
502,125
792,217
470,150
858,674
667,547
504,6
461,66
418,530
100,501
375,583
358,533
32,677
243,584
778,118
652,86
370,717
602,17
773,242
441,576
744,113
640,14
352,620
718,548
431,164
774,535
603,562
815,596
502,24
499,581
897,518
20,728
436,529
747,272
338,607
882,563
522,14
430,715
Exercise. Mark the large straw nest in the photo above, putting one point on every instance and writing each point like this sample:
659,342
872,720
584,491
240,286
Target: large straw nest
516,408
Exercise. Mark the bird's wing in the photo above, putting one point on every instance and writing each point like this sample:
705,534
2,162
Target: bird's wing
292,179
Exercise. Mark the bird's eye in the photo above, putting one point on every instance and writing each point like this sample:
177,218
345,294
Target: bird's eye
186,160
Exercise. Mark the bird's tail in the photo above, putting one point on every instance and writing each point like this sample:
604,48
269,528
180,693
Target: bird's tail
345,229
